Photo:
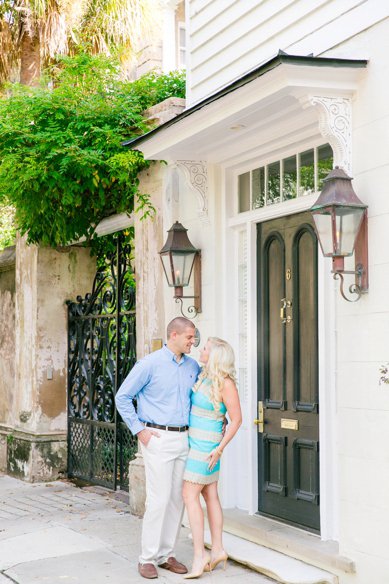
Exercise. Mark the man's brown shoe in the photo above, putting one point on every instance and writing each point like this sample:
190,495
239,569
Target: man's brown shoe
174,566
148,570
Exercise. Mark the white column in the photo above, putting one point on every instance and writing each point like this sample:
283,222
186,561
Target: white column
169,38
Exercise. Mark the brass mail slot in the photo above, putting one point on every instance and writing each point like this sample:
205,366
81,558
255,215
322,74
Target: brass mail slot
289,424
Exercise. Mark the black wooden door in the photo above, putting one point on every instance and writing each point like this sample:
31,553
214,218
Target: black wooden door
288,439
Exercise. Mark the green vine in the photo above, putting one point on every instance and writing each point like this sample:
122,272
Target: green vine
62,166
7,227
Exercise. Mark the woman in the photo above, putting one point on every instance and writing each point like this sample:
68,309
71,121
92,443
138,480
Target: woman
213,395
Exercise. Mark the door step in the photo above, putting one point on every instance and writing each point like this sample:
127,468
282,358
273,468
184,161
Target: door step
275,565
288,540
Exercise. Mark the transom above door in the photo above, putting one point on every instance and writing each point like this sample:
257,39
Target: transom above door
288,178
288,401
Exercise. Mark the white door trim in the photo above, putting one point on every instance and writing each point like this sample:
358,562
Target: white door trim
327,351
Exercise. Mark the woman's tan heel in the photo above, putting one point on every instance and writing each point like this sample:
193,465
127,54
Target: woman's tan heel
222,558
206,564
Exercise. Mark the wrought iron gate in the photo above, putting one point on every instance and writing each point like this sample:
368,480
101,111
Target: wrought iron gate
101,353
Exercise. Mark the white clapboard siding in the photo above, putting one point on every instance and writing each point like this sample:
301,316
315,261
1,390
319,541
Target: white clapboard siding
228,38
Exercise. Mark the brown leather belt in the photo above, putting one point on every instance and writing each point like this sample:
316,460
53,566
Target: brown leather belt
170,428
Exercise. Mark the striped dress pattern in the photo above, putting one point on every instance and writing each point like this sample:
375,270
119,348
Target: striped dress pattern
205,434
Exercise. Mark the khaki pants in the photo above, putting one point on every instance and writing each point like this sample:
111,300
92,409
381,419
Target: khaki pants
164,459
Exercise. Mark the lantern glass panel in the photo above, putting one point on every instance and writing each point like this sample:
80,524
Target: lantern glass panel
348,221
182,264
167,267
323,223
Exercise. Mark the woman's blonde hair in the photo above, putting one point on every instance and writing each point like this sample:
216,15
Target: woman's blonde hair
219,367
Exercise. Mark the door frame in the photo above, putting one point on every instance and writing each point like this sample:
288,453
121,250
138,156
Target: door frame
287,231
328,423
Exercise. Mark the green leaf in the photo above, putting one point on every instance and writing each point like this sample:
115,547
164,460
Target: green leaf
62,166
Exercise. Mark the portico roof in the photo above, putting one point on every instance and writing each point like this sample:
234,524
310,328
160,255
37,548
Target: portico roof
267,105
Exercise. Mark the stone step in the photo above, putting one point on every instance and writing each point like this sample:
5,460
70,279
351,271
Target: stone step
288,540
275,565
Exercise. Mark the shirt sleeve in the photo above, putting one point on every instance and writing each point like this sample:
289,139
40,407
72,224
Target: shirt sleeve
138,377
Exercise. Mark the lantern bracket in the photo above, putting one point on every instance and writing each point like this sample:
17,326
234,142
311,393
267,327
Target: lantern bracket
356,287
361,272
197,305
191,309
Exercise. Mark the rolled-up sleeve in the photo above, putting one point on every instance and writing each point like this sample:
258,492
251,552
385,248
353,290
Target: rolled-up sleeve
138,377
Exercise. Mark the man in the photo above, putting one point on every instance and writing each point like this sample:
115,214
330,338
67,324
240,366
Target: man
162,383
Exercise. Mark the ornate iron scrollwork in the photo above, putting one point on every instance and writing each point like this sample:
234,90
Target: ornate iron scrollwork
191,309
355,288
101,353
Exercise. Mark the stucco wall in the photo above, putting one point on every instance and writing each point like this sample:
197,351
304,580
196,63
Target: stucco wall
174,200
7,345
7,335
149,239
45,279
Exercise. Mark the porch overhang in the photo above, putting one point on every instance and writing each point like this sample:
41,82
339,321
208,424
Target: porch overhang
282,102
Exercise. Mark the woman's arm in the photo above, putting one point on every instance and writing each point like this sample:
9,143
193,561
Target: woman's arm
230,398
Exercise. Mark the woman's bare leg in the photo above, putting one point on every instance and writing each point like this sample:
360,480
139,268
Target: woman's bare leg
191,495
215,518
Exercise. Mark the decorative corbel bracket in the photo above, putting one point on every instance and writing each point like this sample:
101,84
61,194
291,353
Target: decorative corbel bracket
334,116
196,178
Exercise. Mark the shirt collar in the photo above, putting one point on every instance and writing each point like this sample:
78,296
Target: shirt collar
172,356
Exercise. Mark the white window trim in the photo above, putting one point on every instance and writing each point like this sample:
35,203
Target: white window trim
181,26
271,160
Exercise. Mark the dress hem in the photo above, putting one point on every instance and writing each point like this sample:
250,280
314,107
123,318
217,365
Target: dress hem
198,479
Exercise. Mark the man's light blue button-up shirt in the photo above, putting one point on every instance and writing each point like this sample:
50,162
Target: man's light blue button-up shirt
162,388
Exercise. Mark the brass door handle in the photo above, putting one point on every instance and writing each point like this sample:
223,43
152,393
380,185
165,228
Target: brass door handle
285,304
260,422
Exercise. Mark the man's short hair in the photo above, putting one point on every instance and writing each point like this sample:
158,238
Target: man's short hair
178,325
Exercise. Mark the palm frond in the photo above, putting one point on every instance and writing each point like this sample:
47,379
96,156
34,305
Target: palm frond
9,50
126,23
60,24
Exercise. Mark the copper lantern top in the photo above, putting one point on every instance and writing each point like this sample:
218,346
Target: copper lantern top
177,256
178,240
337,191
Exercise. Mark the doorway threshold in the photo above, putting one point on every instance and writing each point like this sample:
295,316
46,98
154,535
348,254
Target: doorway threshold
291,541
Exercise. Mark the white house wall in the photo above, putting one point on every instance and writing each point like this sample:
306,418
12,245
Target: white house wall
228,38
363,337
355,433
355,505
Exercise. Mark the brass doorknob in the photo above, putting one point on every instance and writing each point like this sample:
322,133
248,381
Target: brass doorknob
260,421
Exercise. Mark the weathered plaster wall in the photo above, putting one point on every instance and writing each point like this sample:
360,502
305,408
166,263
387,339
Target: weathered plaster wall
7,332
45,279
7,345
149,239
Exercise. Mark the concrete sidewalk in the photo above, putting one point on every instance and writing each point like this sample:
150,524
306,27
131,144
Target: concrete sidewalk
56,532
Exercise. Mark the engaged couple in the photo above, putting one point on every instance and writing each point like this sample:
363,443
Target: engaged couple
180,422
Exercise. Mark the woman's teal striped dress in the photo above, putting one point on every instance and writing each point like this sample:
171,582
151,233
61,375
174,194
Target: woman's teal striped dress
205,434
